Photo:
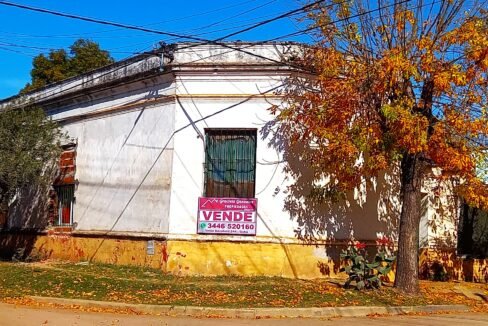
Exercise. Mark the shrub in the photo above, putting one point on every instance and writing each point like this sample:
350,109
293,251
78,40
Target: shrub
367,274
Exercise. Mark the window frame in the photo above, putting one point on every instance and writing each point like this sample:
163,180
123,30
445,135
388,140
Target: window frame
59,221
246,132
65,179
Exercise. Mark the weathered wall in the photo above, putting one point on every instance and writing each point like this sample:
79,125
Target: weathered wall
442,207
124,156
140,159
65,246
124,174
222,99
136,175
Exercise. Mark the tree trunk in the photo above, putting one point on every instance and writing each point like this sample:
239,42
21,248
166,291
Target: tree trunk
407,266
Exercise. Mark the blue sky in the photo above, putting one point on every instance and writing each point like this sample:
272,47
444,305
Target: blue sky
24,34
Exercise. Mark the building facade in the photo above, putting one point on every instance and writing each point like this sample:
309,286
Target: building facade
175,161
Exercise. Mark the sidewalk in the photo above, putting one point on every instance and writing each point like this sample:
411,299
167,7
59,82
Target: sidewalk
249,313
18,315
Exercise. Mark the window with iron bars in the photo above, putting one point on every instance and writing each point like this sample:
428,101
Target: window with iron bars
63,196
230,163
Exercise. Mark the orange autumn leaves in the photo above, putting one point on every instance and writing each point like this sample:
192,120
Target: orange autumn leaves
388,87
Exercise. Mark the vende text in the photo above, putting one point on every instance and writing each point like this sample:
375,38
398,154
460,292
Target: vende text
231,216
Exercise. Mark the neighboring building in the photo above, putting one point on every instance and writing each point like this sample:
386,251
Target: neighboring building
156,140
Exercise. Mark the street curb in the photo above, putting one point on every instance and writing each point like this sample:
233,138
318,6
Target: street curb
254,313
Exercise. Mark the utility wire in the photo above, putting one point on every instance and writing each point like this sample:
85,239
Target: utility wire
201,13
292,34
240,49
144,29
194,38
97,21
235,25
237,15
304,31
145,25
251,26
284,15
235,49
198,29
15,51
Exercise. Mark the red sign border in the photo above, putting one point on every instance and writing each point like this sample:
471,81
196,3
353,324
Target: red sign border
233,235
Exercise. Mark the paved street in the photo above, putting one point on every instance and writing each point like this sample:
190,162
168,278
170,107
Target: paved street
12,315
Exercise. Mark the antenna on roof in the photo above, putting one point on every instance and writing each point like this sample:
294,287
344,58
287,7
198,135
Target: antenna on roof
168,52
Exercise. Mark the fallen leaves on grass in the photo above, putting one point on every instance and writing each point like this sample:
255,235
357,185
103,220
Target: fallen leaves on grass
138,285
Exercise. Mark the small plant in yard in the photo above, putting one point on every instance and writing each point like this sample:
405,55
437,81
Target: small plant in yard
367,274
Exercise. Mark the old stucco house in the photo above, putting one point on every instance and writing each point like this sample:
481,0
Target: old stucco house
174,162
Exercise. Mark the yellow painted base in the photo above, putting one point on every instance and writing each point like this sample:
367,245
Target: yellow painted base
211,258
431,261
249,259
185,257
103,250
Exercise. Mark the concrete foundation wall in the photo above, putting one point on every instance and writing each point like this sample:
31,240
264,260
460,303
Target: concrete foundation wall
212,258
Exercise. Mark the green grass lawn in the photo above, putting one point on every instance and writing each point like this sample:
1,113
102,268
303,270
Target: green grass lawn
141,285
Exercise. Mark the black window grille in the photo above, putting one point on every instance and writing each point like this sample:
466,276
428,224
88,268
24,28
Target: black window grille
230,163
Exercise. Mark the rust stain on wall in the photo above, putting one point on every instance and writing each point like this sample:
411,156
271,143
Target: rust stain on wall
164,252
215,258
75,248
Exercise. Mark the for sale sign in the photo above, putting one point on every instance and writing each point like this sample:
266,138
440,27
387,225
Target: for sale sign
235,216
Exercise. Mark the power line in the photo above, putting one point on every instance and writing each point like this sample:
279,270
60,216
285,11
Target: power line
15,51
304,31
251,26
151,24
142,29
216,41
267,21
256,43
234,25
23,46
44,49
238,15
300,32
97,21
200,14
43,46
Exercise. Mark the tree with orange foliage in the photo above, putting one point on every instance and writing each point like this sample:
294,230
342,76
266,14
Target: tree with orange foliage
395,83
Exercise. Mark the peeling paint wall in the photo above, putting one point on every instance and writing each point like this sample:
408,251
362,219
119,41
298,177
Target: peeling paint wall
227,99
124,158
124,167
123,171
140,157
64,246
